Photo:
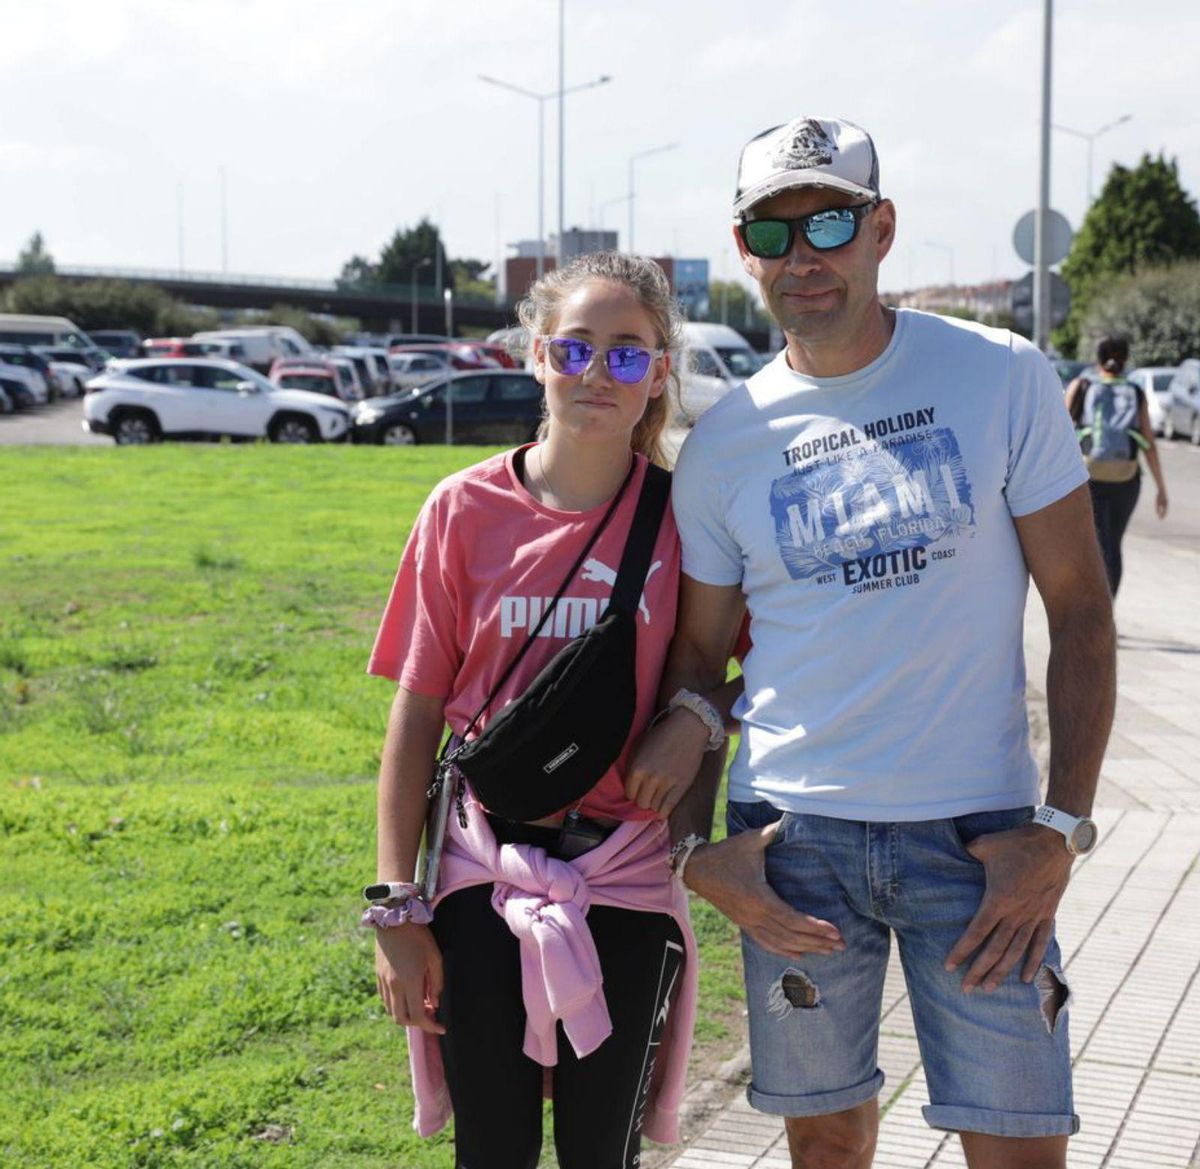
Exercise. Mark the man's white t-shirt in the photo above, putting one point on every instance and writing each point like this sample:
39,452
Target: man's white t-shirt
869,521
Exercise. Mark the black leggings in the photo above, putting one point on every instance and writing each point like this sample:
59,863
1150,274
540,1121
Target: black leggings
496,1089
1112,506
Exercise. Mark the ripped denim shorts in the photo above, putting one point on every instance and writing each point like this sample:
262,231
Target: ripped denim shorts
995,1063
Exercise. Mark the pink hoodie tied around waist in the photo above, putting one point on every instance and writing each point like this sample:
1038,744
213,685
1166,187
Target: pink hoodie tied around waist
545,901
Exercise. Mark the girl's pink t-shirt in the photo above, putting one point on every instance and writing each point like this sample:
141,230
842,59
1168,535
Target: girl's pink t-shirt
482,562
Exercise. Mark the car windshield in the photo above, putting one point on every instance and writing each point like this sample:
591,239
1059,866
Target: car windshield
740,362
246,374
317,383
1162,381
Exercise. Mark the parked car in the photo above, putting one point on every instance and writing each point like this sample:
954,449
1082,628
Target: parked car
31,379
72,376
715,359
16,328
1182,414
500,406
416,369
174,347
28,358
262,343
316,379
147,400
372,365
16,390
1155,382
118,342
460,354
340,374
93,359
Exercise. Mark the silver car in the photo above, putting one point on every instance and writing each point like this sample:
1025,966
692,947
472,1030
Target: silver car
1183,406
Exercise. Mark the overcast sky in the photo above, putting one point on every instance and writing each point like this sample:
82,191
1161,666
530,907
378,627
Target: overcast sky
337,122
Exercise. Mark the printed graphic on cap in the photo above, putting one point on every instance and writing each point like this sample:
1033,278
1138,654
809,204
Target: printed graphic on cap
804,145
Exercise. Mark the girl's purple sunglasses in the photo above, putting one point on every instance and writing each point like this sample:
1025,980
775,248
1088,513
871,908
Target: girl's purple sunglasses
628,364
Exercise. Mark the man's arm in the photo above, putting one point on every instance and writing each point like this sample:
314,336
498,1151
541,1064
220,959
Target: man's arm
1028,868
730,874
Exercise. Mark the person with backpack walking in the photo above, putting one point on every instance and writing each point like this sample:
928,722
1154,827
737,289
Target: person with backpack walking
557,939
1113,424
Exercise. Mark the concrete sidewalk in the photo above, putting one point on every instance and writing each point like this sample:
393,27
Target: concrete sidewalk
1129,925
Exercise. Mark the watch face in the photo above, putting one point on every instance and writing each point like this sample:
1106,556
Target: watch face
376,892
1084,836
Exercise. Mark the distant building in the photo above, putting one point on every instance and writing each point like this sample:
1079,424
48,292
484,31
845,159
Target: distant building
691,287
578,241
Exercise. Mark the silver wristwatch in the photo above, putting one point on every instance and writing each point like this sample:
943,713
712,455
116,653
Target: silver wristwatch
1080,832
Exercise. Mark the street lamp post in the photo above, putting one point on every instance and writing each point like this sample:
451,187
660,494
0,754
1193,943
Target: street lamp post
416,268
632,159
541,99
1090,139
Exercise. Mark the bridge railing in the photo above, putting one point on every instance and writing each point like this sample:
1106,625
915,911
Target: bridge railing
426,294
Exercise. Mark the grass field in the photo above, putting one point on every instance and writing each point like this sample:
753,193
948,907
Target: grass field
188,746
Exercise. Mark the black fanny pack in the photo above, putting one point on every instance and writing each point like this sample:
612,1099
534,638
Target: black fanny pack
548,748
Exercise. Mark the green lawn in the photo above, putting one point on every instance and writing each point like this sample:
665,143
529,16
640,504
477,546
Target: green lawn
188,746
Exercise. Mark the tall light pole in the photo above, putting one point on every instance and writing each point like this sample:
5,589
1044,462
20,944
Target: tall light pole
562,123
416,268
610,203
224,226
632,159
1041,270
1090,139
541,99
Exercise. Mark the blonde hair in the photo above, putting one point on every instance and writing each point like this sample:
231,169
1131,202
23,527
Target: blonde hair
648,282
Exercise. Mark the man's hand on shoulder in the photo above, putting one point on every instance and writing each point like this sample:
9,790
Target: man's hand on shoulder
731,876
1027,873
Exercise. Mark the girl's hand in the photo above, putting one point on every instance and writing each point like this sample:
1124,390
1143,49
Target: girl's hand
1160,505
665,761
408,973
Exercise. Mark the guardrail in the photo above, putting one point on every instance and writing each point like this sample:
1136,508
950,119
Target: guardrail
426,294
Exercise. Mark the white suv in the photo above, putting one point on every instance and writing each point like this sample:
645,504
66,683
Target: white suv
144,401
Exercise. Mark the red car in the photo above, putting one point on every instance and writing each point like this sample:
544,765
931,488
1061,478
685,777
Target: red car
175,347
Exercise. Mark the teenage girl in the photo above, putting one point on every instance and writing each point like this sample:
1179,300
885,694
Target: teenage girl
499,979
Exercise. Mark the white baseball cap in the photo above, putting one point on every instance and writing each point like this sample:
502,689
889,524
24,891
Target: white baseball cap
807,152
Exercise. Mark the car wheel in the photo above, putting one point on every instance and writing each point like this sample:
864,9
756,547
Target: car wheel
397,434
135,428
292,429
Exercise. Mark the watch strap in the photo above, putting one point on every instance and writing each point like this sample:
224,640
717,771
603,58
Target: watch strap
704,710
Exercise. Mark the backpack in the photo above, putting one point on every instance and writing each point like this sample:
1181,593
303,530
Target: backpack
1109,431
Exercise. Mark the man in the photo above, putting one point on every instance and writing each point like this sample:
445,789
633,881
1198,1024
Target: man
878,498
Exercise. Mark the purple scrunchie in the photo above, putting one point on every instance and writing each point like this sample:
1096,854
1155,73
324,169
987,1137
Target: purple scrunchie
387,916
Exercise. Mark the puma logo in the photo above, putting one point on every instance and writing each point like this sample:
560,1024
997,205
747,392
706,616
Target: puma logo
594,569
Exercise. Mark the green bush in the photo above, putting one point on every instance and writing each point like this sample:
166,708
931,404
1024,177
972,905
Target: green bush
1157,310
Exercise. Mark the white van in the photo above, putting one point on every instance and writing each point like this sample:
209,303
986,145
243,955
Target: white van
715,359
52,331
262,343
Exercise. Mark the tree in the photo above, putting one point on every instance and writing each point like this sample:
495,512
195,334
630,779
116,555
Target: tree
1142,219
414,251
1158,311
35,260
732,298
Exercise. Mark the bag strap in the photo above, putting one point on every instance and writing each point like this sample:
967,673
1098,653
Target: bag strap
562,588
643,534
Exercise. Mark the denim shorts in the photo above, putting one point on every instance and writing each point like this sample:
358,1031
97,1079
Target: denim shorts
996,1063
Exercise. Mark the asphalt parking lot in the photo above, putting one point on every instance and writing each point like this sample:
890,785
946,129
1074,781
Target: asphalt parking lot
59,424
